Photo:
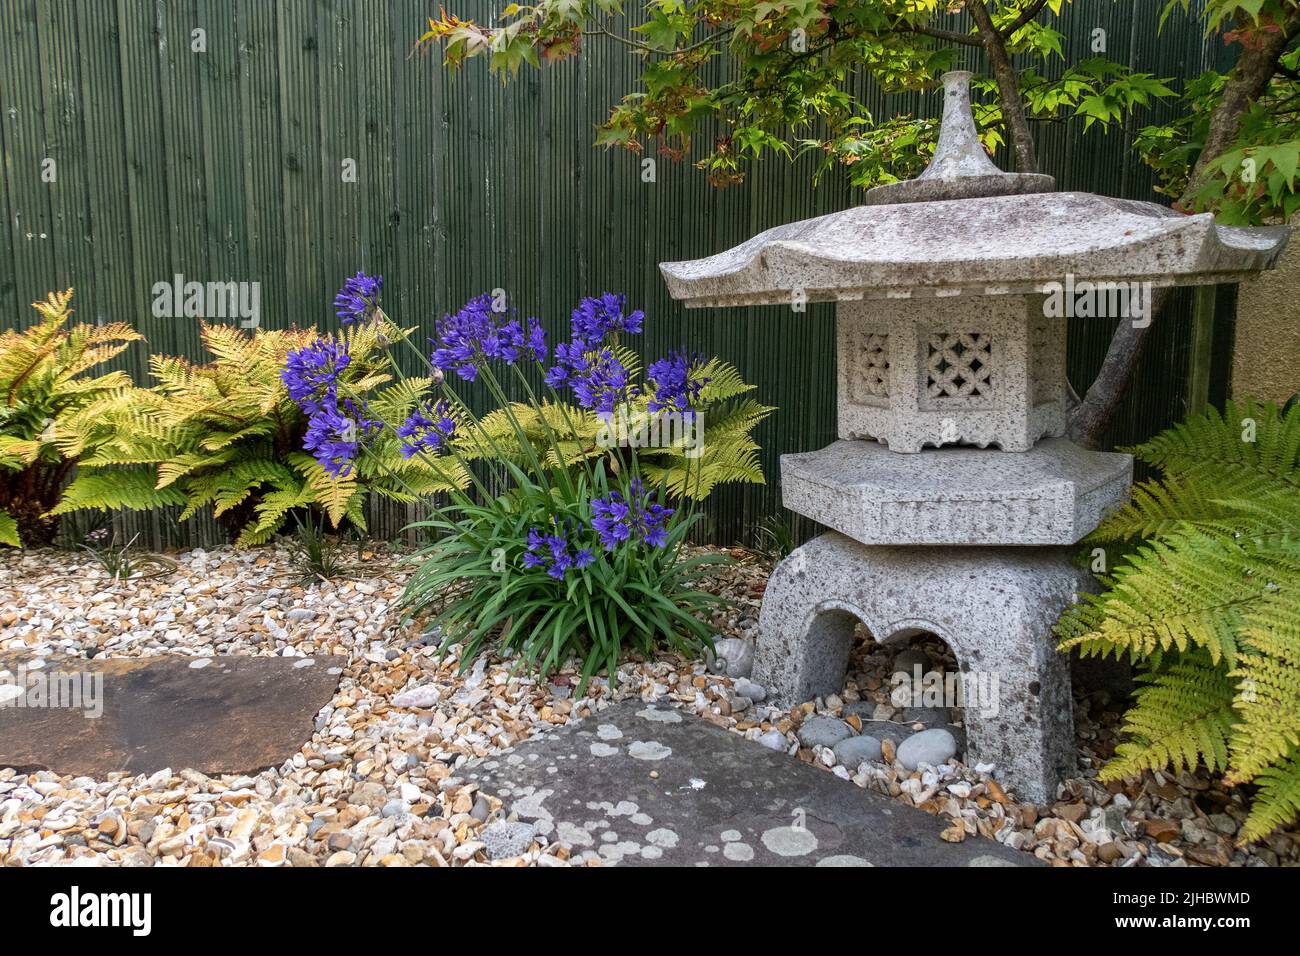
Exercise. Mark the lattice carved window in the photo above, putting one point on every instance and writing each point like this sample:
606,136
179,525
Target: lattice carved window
873,370
959,368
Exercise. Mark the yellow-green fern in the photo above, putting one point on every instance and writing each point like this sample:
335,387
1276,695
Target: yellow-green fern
226,436
725,452
47,394
1205,598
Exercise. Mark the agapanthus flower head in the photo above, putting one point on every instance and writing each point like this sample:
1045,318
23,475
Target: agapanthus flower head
554,553
676,389
427,429
311,374
604,385
597,316
516,340
335,435
358,300
479,332
635,516
570,360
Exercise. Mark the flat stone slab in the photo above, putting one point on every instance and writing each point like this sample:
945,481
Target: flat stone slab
212,714
716,799
1055,493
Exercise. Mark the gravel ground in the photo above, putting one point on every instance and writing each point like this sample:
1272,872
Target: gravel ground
377,783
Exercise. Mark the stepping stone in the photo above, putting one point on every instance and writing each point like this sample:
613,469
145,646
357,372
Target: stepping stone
229,715
716,799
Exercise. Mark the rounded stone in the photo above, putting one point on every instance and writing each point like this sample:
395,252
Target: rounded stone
852,751
823,731
932,747
745,687
733,656
418,697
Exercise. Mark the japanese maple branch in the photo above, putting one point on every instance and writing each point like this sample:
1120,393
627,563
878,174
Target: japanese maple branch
646,48
1004,72
1027,14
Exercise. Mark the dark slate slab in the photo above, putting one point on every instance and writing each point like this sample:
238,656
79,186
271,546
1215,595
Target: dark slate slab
230,715
717,800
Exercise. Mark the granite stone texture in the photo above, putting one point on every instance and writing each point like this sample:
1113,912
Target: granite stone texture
997,245
947,346
960,169
644,784
1054,493
952,371
993,606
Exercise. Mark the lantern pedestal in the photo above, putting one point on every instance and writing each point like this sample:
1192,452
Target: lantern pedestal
994,607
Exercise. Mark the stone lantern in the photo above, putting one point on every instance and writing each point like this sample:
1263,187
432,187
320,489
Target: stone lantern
951,495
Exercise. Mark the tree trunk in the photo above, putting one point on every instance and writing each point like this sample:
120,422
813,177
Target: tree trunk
1013,106
1250,78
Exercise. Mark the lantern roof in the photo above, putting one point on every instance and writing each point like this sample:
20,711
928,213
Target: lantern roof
964,226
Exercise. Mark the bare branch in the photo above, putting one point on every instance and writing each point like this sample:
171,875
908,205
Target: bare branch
950,36
646,48
1013,104
1031,11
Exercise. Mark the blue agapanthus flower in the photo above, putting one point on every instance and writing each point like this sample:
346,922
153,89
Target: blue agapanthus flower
596,317
636,517
554,553
516,340
478,333
334,436
675,390
464,339
311,374
358,300
604,385
600,383
570,360
427,429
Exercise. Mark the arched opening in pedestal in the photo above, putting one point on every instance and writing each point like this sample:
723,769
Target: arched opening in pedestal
906,680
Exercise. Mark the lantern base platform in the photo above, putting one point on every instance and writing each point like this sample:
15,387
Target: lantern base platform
1055,493
994,607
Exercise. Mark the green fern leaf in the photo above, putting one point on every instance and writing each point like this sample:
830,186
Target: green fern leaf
1182,715
109,489
9,530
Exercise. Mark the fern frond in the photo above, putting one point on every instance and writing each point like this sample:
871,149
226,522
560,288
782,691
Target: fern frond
332,494
1250,439
1268,676
109,489
724,383
1167,596
1278,801
1183,715
9,530
1210,605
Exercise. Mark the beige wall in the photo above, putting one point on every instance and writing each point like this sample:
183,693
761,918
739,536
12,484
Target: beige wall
1266,359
